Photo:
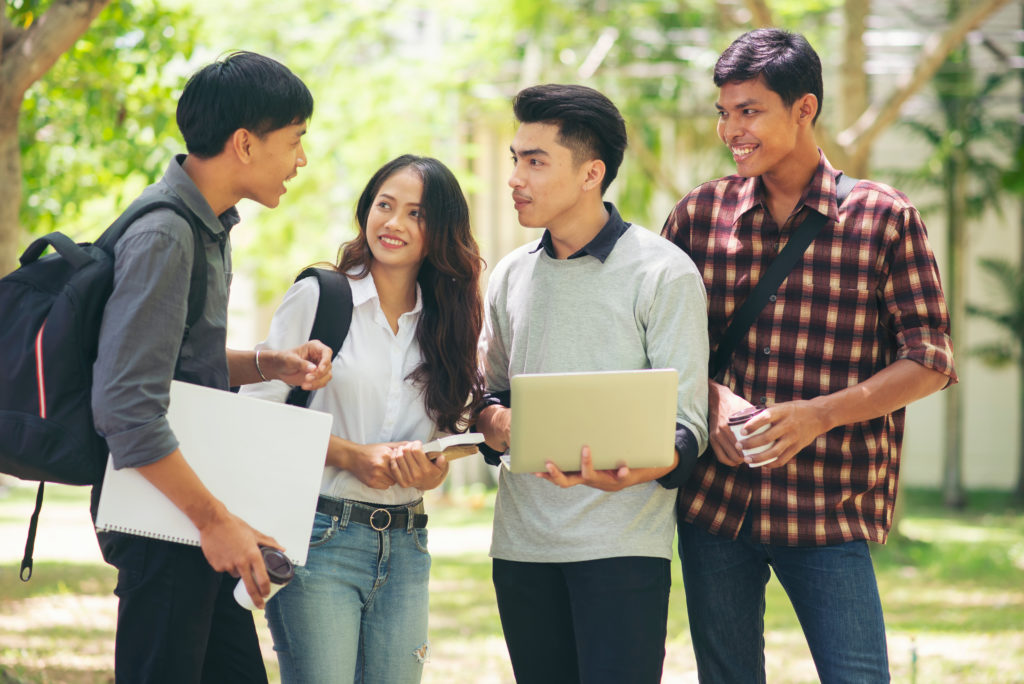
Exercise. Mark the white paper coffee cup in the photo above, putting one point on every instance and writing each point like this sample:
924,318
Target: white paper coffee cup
738,420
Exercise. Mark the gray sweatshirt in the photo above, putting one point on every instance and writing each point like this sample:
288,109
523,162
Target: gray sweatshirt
642,307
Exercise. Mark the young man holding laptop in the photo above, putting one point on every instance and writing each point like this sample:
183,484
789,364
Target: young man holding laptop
581,573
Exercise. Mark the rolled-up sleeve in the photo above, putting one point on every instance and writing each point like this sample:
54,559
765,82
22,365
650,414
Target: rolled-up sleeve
140,339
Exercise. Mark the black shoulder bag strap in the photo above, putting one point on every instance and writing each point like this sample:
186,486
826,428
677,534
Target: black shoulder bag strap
332,320
779,269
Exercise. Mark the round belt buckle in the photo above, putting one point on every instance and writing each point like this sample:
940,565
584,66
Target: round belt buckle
373,520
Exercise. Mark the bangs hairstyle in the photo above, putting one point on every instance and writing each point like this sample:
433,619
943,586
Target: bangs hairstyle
786,61
589,124
241,90
449,279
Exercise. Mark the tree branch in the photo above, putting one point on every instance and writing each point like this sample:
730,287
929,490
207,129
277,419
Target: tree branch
38,47
761,15
858,138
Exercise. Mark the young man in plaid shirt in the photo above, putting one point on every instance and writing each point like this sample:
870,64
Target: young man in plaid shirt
857,331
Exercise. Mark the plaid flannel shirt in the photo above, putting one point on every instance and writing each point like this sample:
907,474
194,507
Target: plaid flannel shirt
866,294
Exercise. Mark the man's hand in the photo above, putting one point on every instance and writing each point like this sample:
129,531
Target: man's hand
231,545
794,425
605,480
411,468
308,365
721,404
495,423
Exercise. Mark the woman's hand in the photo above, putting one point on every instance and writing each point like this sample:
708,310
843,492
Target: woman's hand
410,467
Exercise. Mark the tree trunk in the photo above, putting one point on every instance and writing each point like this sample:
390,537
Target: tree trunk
26,54
954,83
10,187
1019,494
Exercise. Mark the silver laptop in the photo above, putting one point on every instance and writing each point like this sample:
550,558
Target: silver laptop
626,417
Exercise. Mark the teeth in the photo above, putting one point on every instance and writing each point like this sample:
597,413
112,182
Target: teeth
743,151
391,241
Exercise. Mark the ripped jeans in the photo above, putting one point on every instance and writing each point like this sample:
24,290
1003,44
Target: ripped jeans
357,611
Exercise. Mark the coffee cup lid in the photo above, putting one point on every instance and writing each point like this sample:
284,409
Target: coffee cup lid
744,415
279,567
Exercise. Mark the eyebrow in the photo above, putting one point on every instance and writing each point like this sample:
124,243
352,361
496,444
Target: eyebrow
385,195
739,105
537,152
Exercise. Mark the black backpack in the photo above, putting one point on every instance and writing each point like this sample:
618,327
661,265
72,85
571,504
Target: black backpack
51,309
332,320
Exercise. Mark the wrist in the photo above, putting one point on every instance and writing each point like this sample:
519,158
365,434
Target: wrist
207,513
261,367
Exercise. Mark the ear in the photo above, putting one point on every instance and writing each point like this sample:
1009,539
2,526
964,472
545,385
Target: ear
807,108
595,170
240,144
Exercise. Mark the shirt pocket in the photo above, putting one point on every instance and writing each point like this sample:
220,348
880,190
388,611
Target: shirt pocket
839,325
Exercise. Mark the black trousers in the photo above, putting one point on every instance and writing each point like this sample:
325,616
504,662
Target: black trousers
593,622
177,621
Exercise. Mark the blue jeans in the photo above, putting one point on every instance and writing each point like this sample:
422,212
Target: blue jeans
832,589
357,611
591,622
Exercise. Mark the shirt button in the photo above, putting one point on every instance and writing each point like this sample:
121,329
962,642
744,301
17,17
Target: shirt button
772,298
764,401
767,351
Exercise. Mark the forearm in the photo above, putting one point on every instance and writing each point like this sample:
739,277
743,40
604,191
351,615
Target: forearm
242,366
889,390
173,476
492,423
341,453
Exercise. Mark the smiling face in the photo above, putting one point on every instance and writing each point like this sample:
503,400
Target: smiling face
759,129
274,159
547,183
395,225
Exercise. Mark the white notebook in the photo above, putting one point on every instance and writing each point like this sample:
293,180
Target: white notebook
264,460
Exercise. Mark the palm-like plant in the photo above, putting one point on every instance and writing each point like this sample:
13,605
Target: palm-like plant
1007,313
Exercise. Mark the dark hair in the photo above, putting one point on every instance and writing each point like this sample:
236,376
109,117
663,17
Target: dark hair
240,90
449,279
588,123
786,61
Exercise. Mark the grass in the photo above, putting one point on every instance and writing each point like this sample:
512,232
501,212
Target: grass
952,585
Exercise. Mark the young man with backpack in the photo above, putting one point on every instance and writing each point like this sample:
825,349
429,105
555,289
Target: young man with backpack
858,330
242,119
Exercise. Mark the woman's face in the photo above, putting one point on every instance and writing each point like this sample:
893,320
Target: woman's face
395,225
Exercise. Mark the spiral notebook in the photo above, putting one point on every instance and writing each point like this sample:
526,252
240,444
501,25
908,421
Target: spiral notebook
264,460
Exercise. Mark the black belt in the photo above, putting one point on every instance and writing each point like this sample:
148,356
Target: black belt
379,518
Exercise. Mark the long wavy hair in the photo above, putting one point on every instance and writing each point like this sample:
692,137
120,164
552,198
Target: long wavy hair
449,278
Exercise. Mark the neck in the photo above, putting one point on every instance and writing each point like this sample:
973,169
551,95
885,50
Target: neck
573,233
785,183
396,289
213,179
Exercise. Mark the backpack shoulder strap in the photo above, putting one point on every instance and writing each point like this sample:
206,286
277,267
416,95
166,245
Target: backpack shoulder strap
332,320
772,278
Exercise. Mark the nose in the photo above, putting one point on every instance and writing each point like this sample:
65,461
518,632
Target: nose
726,128
301,160
514,181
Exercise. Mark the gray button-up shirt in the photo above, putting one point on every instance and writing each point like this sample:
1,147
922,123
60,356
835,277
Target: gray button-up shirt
140,346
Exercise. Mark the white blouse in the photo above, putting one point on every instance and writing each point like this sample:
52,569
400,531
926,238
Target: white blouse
368,395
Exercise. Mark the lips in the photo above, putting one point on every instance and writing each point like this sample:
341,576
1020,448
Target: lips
740,152
391,241
520,201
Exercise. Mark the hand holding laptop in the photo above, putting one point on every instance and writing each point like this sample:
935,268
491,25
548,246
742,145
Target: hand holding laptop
605,480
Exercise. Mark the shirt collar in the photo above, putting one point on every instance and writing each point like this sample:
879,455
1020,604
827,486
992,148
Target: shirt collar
600,246
819,195
185,187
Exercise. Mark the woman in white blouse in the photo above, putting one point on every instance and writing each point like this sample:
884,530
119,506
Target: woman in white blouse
357,611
